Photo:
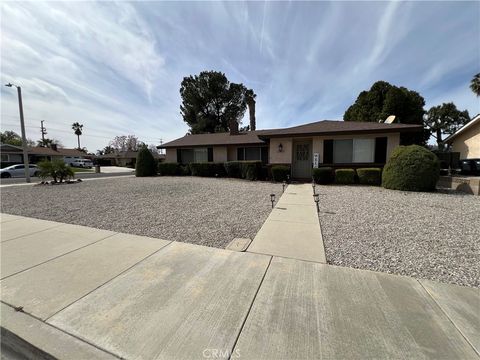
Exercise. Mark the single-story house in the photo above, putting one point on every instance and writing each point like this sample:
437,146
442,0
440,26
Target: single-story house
123,158
466,140
322,143
11,154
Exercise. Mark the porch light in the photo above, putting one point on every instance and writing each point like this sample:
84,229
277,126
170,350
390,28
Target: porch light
316,198
272,199
280,147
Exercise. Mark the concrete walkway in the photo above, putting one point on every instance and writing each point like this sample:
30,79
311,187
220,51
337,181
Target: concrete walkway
81,293
292,230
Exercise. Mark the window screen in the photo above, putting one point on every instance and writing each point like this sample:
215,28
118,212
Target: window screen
252,153
363,150
342,151
200,155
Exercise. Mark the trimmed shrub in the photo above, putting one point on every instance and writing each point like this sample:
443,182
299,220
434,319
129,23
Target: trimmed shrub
280,172
207,169
169,169
323,175
233,169
184,170
250,170
411,168
369,176
345,176
145,165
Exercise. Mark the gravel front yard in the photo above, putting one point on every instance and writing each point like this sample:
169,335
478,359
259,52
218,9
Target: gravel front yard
425,235
202,211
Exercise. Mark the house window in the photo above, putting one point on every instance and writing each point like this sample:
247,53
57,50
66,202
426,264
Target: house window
195,155
353,151
253,153
4,157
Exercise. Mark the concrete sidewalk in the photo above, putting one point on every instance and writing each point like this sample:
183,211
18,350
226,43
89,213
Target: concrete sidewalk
292,230
108,295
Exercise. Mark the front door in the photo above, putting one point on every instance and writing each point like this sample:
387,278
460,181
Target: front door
302,160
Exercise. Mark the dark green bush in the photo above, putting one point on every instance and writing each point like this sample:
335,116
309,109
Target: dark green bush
345,176
280,172
323,175
207,169
369,176
411,168
233,169
250,170
184,170
169,169
145,165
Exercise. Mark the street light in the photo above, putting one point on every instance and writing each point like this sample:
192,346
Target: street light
22,126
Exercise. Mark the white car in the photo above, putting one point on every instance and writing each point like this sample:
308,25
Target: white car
18,171
82,163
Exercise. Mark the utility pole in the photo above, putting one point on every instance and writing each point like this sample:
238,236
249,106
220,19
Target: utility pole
24,137
161,142
44,132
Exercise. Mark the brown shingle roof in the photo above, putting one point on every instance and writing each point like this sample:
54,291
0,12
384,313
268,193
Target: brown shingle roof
332,127
324,127
59,152
245,138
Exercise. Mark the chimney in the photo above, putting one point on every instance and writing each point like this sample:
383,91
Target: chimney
233,124
54,147
251,110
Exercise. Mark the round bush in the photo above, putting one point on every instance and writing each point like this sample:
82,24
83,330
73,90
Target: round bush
369,176
146,165
323,175
345,176
411,168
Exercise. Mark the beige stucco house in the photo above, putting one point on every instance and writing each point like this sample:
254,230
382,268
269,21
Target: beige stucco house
466,140
322,143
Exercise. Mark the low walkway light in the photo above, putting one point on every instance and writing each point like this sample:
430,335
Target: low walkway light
316,198
283,186
272,199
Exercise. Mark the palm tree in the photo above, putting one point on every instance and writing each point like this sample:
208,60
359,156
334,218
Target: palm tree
475,84
250,100
77,129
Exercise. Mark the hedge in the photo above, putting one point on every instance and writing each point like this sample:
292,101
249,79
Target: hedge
411,168
145,164
169,169
251,170
345,176
369,176
280,172
323,175
233,169
207,169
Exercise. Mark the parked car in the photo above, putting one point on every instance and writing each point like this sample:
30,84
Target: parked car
18,171
82,163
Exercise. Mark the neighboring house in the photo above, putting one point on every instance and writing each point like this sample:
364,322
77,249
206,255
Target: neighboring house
466,140
123,158
11,154
322,143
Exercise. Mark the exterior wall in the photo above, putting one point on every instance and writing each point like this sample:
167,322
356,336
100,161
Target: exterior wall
220,153
276,157
171,155
468,143
231,153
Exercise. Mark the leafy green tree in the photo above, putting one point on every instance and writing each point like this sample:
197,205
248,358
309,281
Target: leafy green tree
475,84
78,130
12,138
383,100
49,142
445,119
211,103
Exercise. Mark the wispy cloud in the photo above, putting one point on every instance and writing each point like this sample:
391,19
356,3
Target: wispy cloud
117,67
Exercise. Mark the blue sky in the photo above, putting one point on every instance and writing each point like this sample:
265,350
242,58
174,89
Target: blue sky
117,67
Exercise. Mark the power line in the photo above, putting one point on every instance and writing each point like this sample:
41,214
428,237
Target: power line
69,132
